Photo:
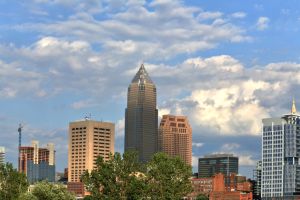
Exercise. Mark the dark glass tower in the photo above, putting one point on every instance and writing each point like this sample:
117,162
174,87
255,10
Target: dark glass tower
141,125
210,165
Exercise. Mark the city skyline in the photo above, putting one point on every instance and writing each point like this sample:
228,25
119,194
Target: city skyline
225,65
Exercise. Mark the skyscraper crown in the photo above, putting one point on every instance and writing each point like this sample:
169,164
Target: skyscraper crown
293,110
142,76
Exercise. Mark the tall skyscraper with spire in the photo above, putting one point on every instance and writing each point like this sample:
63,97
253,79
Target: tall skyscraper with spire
141,116
281,156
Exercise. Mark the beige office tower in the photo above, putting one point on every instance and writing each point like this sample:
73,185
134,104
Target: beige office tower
141,125
2,155
88,139
175,137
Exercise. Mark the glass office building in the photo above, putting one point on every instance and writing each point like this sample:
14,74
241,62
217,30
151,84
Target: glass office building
280,156
213,164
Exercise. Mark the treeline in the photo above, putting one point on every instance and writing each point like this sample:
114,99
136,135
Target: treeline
121,177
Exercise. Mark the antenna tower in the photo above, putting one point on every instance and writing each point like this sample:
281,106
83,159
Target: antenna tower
20,139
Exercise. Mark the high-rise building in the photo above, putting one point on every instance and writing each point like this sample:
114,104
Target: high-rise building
281,156
141,122
37,163
88,139
2,155
212,164
257,181
175,137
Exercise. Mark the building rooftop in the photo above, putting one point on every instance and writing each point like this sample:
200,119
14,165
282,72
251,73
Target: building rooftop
142,76
219,155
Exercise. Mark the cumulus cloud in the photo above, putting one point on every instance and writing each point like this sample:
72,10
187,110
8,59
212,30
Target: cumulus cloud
262,23
156,30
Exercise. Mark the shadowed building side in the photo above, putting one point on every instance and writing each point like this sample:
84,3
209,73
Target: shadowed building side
141,116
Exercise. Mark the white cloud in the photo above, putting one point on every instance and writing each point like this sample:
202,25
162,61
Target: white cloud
161,32
120,128
238,15
262,23
209,15
246,160
229,147
199,144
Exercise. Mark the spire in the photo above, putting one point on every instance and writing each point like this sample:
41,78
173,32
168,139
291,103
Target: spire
293,110
142,76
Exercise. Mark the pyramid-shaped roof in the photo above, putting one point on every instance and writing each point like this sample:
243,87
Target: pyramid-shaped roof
142,76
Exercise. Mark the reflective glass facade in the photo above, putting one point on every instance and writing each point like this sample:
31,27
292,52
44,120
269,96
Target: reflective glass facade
280,157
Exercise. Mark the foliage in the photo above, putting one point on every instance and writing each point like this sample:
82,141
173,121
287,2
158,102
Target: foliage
169,177
115,178
12,183
27,196
48,191
124,177
202,197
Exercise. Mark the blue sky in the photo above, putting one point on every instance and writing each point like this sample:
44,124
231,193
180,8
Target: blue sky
224,64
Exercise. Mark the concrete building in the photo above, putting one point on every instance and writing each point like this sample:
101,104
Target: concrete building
37,163
88,139
141,116
175,137
280,156
212,164
2,155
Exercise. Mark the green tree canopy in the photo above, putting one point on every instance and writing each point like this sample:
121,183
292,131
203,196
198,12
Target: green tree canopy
49,191
168,177
115,178
12,183
202,197
124,177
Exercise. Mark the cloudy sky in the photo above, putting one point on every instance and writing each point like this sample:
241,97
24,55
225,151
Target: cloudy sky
224,64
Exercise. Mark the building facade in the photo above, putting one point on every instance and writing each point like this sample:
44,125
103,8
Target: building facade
2,155
37,163
212,164
88,139
257,180
141,116
221,187
175,137
280,156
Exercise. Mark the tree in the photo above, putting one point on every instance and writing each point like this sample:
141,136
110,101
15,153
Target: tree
168,177
202,197
48,191
12,183
124,177
117,178
27,196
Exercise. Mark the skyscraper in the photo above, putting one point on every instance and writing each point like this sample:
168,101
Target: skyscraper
175,137
88,139
281,156
212,164
257,179
2,155
141,123
37,163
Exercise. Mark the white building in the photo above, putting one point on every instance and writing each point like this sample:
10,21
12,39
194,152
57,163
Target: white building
2,155
280,156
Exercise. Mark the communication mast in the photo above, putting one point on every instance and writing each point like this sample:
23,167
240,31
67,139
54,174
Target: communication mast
20,139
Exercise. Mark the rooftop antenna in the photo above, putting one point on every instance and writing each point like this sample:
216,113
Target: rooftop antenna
88,117
20,142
